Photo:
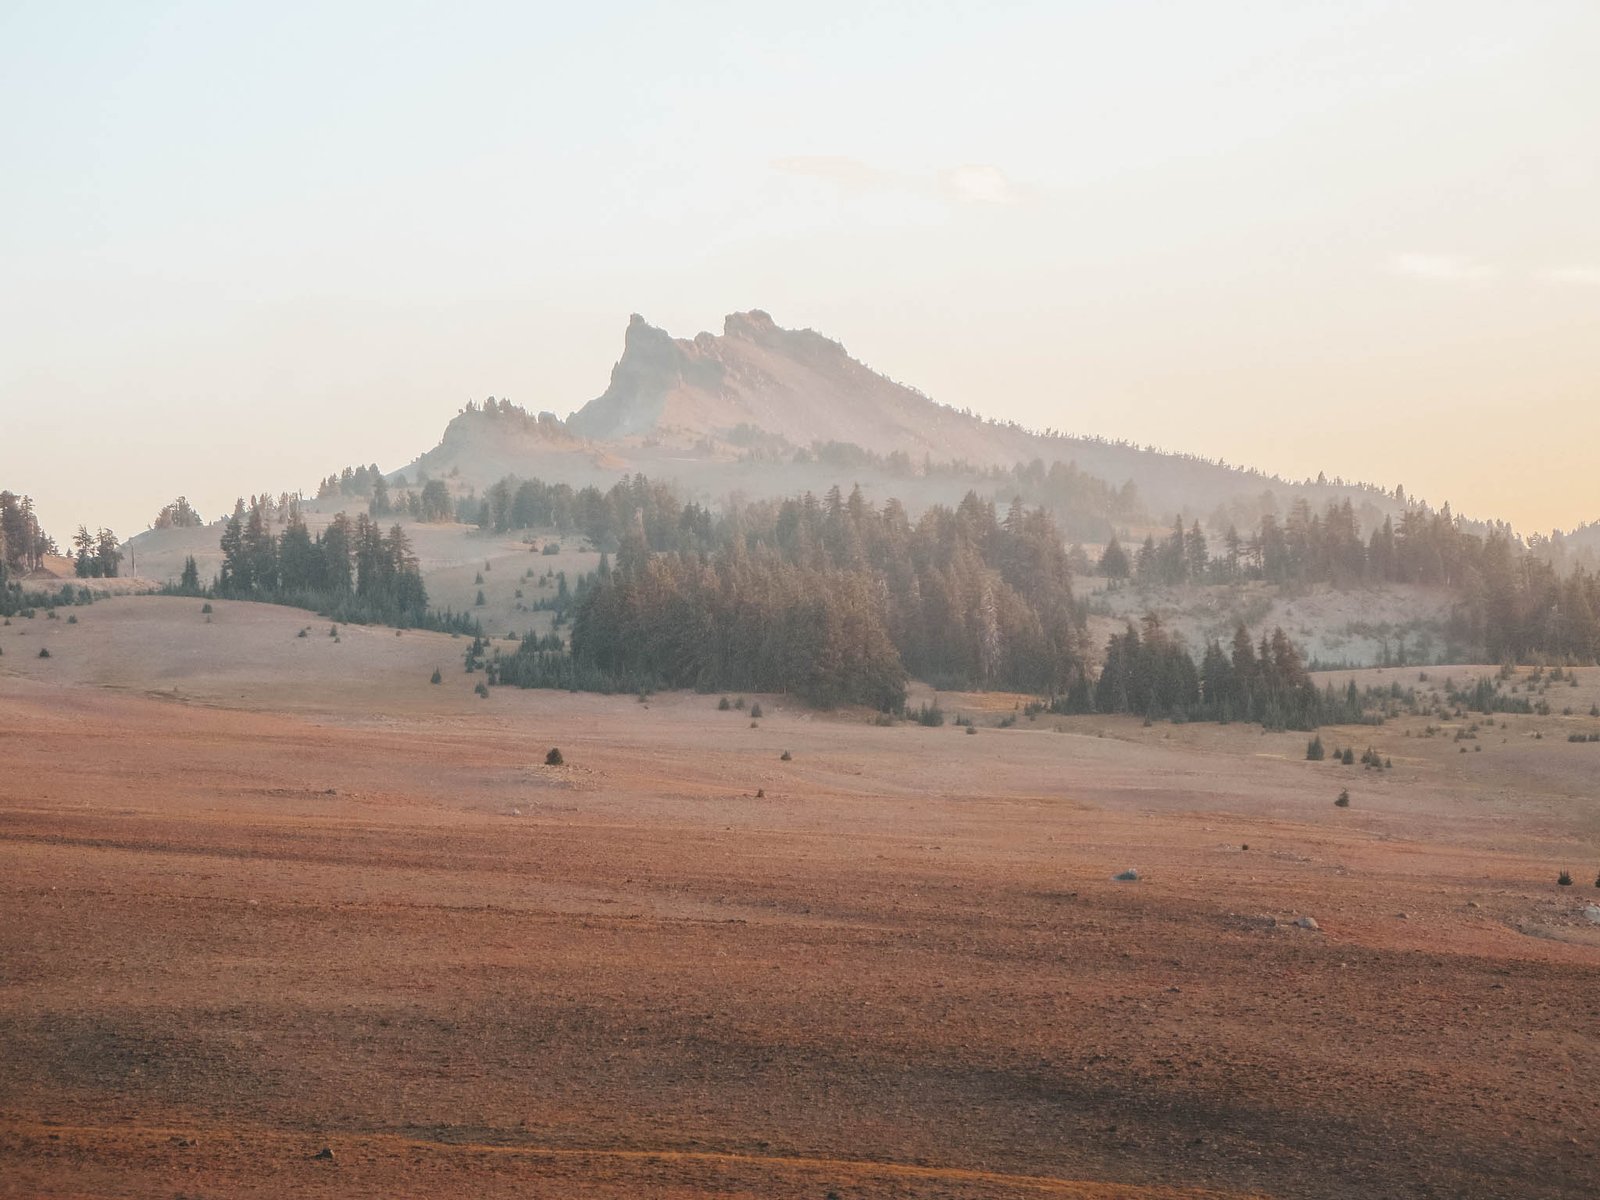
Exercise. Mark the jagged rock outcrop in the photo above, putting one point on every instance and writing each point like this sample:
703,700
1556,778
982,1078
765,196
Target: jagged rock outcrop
692,410
792,383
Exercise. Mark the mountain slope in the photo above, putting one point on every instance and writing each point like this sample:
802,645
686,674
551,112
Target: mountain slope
803,388
795,384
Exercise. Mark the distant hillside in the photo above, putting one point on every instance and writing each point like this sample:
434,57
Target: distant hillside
761,397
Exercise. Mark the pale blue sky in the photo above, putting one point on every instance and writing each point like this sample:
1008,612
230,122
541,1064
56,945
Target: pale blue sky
243,245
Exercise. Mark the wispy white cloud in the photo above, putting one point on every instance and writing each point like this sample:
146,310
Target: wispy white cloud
1579,276
979,183
1442,268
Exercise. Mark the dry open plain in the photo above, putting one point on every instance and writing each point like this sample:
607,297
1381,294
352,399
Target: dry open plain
263,894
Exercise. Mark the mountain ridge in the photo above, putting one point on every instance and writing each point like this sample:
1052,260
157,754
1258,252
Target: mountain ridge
690,410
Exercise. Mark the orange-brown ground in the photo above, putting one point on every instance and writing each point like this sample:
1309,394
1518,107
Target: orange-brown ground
262,894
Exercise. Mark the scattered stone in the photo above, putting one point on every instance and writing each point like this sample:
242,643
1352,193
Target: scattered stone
1592,911
1403,916
325,1154
1128,876
1307,923
1473,904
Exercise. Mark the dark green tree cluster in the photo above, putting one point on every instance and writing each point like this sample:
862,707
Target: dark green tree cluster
431,502
832,598
352,571
95,555
1511,604
1084,505
1182,557
180,514
353,482
602,517
1150,673
23,543
748,621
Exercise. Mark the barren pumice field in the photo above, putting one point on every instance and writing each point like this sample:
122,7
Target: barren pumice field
278,917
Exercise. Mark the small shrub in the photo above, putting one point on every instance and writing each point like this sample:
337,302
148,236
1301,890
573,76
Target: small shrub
479,579
1564,879
553,759
437,677
1348,758
481,600
551,548
755,711
785,757
1344,799
206,607
302,633
482,689
333,631
1315,751
724,704
739,704
972,729
73,619
43,653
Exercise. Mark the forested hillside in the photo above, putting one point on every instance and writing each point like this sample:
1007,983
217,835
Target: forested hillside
351,571
23,542
840,600
1511,603
834,599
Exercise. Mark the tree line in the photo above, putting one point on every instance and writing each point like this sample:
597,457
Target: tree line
1510,604
1149,672
831,598
95,555
180,514
351,571
23,542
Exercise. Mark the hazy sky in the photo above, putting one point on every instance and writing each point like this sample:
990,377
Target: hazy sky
243,245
